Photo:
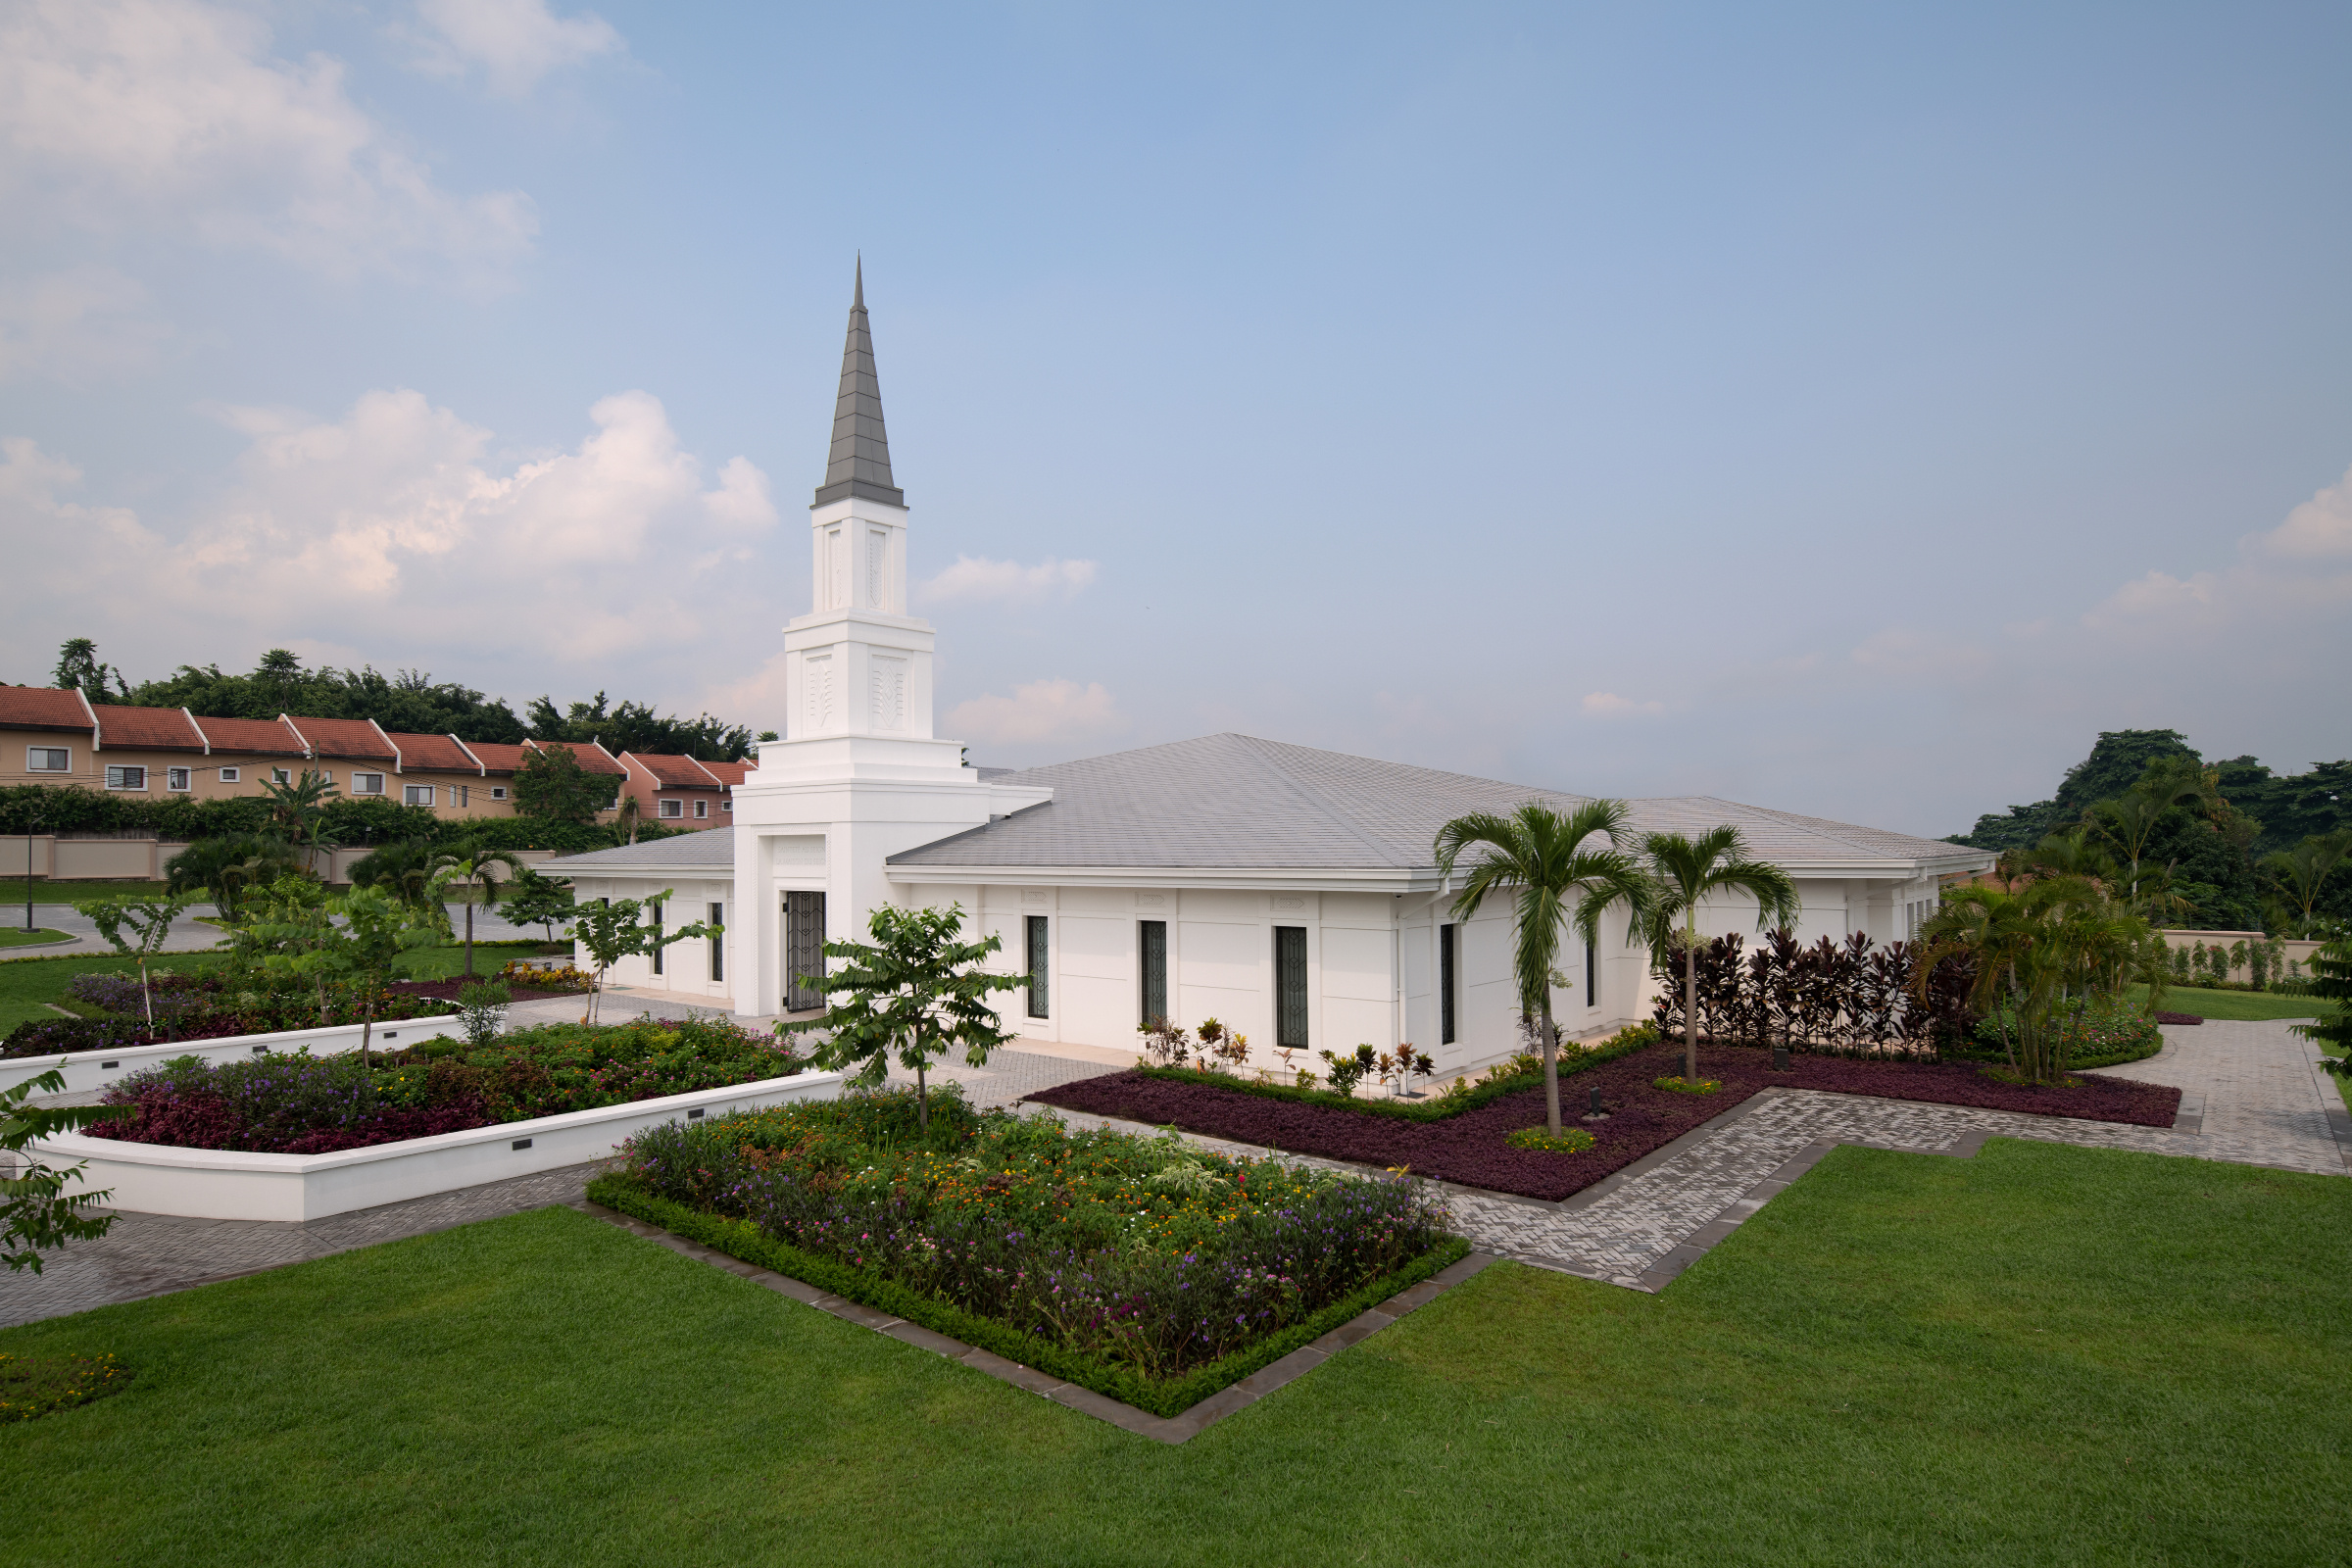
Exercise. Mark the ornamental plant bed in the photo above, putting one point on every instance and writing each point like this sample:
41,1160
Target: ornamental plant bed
205,1007
1137,1267
298,1104
1471,1148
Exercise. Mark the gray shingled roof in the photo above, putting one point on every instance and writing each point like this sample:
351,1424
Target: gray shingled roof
712,849
859,461
1234,801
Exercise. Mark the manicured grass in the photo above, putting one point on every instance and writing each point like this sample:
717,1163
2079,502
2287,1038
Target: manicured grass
2237,1005
16,935
44,891
2042,1354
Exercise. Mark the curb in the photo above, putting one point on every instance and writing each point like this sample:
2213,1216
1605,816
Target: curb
1085,1401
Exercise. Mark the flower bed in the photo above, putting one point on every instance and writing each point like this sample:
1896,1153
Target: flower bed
1135,1266
1472,1148
299,1104
202,1006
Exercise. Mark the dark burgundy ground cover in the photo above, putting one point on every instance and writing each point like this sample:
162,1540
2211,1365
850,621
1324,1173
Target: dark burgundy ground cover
1469,1149
447,990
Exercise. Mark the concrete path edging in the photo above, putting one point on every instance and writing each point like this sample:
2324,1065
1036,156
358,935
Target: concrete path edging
1169,1429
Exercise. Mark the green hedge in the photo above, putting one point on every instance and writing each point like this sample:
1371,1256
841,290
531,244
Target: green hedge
72,809
1437,1109
740,1239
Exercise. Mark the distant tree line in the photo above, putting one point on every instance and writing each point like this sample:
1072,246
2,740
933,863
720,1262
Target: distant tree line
409,701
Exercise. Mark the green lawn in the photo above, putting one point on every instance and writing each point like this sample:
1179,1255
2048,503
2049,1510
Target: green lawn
44,891
16,935
2042,1354
2206,1003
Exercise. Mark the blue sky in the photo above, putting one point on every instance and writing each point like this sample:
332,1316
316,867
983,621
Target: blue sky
1850,409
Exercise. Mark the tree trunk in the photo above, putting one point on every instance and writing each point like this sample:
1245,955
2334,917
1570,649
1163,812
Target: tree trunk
1551,1071
922,1100
146,998
1689,1012
366,1025
469,939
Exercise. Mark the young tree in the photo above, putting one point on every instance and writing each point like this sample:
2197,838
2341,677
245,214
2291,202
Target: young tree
2332,981
150,922
1541,859
535,899
467,861
299,808
915,990
613,929
368,936
1680,873
33,1205
552,784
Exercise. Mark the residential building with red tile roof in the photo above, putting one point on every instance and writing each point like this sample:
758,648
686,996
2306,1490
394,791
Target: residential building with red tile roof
681,791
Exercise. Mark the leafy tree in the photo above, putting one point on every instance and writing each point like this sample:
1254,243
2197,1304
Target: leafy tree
227,865
1540,857
78,669
635,728
915,990
2052,941
1680,873
2300,874
149,921
299,808
404,869
613,929
367,937
552,784
535,899
469,861
2332,981
35,1213
409,701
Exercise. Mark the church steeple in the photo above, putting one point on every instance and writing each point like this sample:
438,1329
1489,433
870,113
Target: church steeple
859,461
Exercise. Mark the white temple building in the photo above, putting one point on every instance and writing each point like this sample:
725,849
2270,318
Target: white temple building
1289,893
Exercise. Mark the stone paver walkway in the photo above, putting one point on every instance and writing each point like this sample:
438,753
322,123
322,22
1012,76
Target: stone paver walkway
149,1254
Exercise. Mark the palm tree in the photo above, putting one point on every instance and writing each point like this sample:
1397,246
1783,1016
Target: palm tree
1540,857
469,859
1682,872
404,869
2047,944
300,807
228,867
2130,819
2302,872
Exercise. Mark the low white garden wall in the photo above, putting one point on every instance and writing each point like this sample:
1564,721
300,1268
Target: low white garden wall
217,1184
86,1070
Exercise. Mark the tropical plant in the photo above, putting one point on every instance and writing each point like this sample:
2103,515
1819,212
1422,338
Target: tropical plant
534,900
36,1212
2332,981
1681,874
228,867
914,991
613,929
404,869
149,921
2300,874
299,808
78,669
482,1011
2050,943
467,862
363,937
1540,857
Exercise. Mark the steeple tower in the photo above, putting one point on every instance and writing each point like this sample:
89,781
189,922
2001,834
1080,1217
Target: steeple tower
859,461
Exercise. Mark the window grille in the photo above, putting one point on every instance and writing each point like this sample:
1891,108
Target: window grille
1038,966
1153,947
1445,942
1290,985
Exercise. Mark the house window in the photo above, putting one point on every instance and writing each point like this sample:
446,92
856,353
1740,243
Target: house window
367,783
48,760
1446,938
726,805
125,778
1153,947
718,941
654,911
465,796
702,810
179,778
1591,976
279,775
673,809
231,775
416,794
497,792
1037,967
1290,985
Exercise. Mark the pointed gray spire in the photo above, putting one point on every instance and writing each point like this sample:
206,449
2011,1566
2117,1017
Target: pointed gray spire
860,463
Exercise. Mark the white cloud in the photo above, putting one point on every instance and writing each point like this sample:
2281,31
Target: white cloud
2303,566
150,116
2319,529
516,42
976,578
393,528
1056,710
1608,704
77,326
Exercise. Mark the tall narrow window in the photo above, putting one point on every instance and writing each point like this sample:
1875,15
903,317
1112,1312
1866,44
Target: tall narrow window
1038,956
1591,976
1445,984
1290,984
717,944
1152,945
654,910
804,950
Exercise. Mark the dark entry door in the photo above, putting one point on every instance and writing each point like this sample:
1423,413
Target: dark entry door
804,950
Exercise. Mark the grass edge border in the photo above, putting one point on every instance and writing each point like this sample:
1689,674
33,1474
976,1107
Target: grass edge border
1173,1399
